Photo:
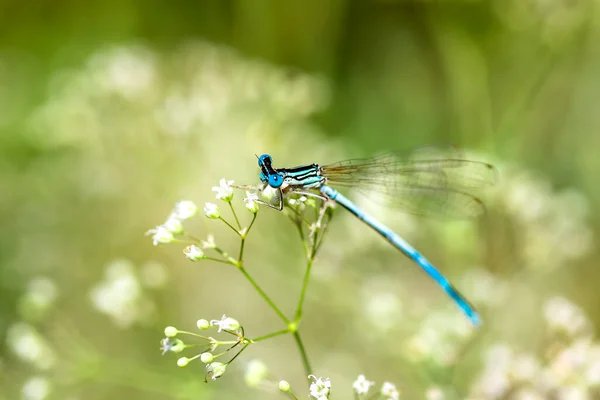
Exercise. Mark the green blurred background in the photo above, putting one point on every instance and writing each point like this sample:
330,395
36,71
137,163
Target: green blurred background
110,112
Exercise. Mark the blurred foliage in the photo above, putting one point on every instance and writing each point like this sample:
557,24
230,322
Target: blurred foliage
110,112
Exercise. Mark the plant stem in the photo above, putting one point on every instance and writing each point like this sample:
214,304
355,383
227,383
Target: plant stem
305,362
270,335
241,256
264,295
301,233
305,280
238,353
229,225
217,260
193,334
237,221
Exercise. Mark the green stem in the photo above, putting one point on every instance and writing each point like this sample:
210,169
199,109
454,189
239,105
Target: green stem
251,223
270,335
305,280
302,239
193,334
240,257
293,395
264,295
229,225
237,221
305,362
217,260
188,239
238,353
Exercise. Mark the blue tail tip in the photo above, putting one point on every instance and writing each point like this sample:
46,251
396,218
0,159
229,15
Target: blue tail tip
475,319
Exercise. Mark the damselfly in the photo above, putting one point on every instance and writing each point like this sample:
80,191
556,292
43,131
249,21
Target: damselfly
429,185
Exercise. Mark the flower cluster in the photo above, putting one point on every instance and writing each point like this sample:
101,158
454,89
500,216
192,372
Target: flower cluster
311,220
173,225
362,388
121,294
440,339
173,230
214,369
551,225
569,368
319,388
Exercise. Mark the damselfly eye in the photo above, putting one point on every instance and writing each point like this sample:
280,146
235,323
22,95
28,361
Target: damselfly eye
265,159
275,180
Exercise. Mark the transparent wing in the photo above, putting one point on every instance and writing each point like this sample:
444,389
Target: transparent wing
431,182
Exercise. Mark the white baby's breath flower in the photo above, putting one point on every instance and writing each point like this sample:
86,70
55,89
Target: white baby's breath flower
170,344
183,362
41,294
207,357
211,211
524,368
361,385
173,224
209,243
202,324
299,201
36,388
224,190
225,323
389,391
563,315
30,346
193,252
256,372
160,234
320,389
185,209
153,275
284,386
434,393
171,331
215,370
251,202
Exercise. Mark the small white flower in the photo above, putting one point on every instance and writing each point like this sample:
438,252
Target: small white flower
215,370
170,344
225,323
171,331
202,324
183,362
36,388
185,209
160,234
251,202
320,389
211,211
224,190
434,393
256,373
361,385
284,386
173,224
209,243
300,200
193,252
153,275
389,391
206,357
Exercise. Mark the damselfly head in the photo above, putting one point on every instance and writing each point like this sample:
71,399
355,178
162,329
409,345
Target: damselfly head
265,161
268,173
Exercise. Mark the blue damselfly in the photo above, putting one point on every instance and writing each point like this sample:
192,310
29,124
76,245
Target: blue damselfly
430,185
